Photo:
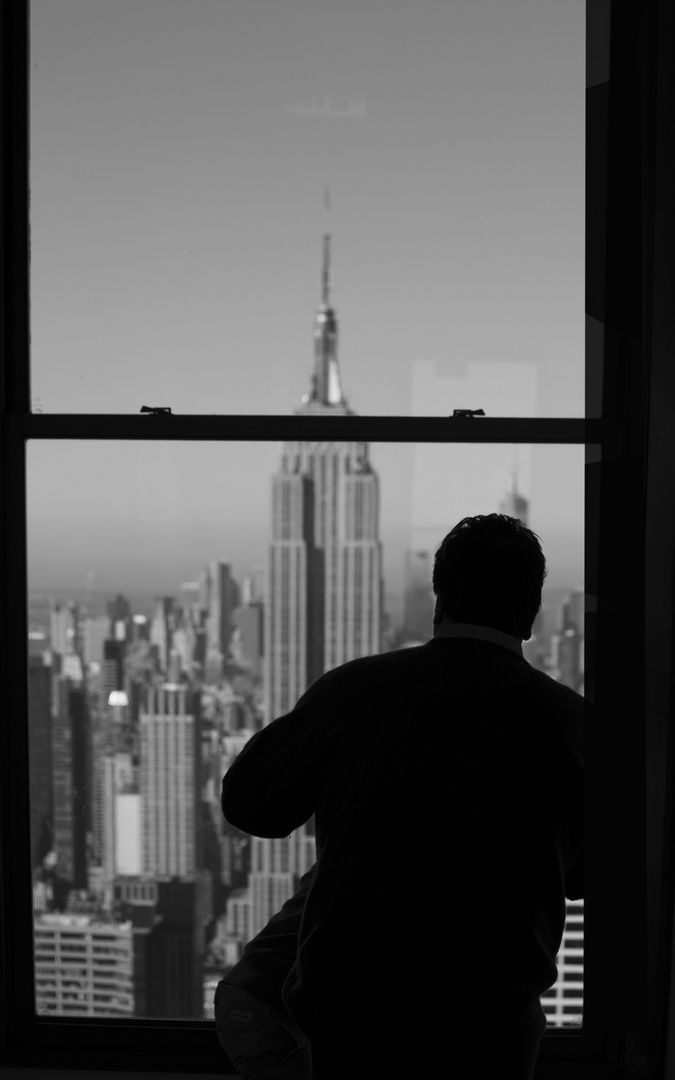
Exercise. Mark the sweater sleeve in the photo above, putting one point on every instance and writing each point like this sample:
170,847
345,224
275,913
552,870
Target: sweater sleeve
268,791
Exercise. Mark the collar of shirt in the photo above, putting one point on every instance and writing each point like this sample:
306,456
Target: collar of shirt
483,633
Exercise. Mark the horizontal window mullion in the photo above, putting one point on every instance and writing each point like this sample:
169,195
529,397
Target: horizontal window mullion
92,1043
317,428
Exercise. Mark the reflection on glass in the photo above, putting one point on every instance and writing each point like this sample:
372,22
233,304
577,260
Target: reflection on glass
179,157
187,601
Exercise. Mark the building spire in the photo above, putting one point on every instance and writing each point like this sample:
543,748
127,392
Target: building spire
325,274
326,390
514,472
514,504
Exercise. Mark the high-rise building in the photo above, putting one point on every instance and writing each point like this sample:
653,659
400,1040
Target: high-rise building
119,612
96,631
120,846
514,504
162,627
176,966
324,571
193,595
223,598
140,628
63,628
572,611
69,773
105,733
184,643
567,643
249,622
419,601
254,586
40,760
191,637
167,919
169,782
324,582
112,669
83,966
135,902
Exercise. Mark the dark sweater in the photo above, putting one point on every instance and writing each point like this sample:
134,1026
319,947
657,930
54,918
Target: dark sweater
446,782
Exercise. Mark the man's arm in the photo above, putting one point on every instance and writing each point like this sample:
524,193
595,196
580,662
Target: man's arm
268,791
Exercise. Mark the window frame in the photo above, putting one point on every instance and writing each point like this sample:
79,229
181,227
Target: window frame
621,425
69,1042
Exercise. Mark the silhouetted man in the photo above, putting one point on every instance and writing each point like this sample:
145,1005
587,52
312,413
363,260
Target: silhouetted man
446,782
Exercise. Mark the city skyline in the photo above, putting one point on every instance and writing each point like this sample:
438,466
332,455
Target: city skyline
132,725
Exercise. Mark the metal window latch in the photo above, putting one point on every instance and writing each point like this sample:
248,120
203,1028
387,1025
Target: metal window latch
157,412
467,412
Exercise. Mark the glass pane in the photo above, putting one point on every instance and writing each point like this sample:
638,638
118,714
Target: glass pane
160,592
180,156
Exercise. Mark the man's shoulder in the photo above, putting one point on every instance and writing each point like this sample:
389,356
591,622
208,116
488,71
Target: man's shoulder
402,663
422,655
380,664
549,685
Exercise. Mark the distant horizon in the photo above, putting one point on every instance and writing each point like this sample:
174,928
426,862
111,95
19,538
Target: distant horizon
394,601
39,590
156,514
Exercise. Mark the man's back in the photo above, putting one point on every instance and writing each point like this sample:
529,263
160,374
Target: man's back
447,786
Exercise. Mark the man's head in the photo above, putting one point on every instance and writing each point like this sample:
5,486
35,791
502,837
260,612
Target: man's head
490,570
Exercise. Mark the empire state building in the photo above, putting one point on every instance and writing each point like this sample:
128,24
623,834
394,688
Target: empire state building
325,556
324,585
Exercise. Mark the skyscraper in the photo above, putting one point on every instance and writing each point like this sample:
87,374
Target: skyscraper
40,761
249,622
106,735
120,832
162,627
514,504
63,628
169,782
324,581
223,597
419,600
84,965
69,773
324,572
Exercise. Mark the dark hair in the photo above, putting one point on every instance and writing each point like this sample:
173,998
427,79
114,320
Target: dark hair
490,570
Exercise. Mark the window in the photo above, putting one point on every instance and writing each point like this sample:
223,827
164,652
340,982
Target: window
613,980
388,509
167,138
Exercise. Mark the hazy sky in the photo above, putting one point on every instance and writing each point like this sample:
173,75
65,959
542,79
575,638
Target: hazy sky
179,152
